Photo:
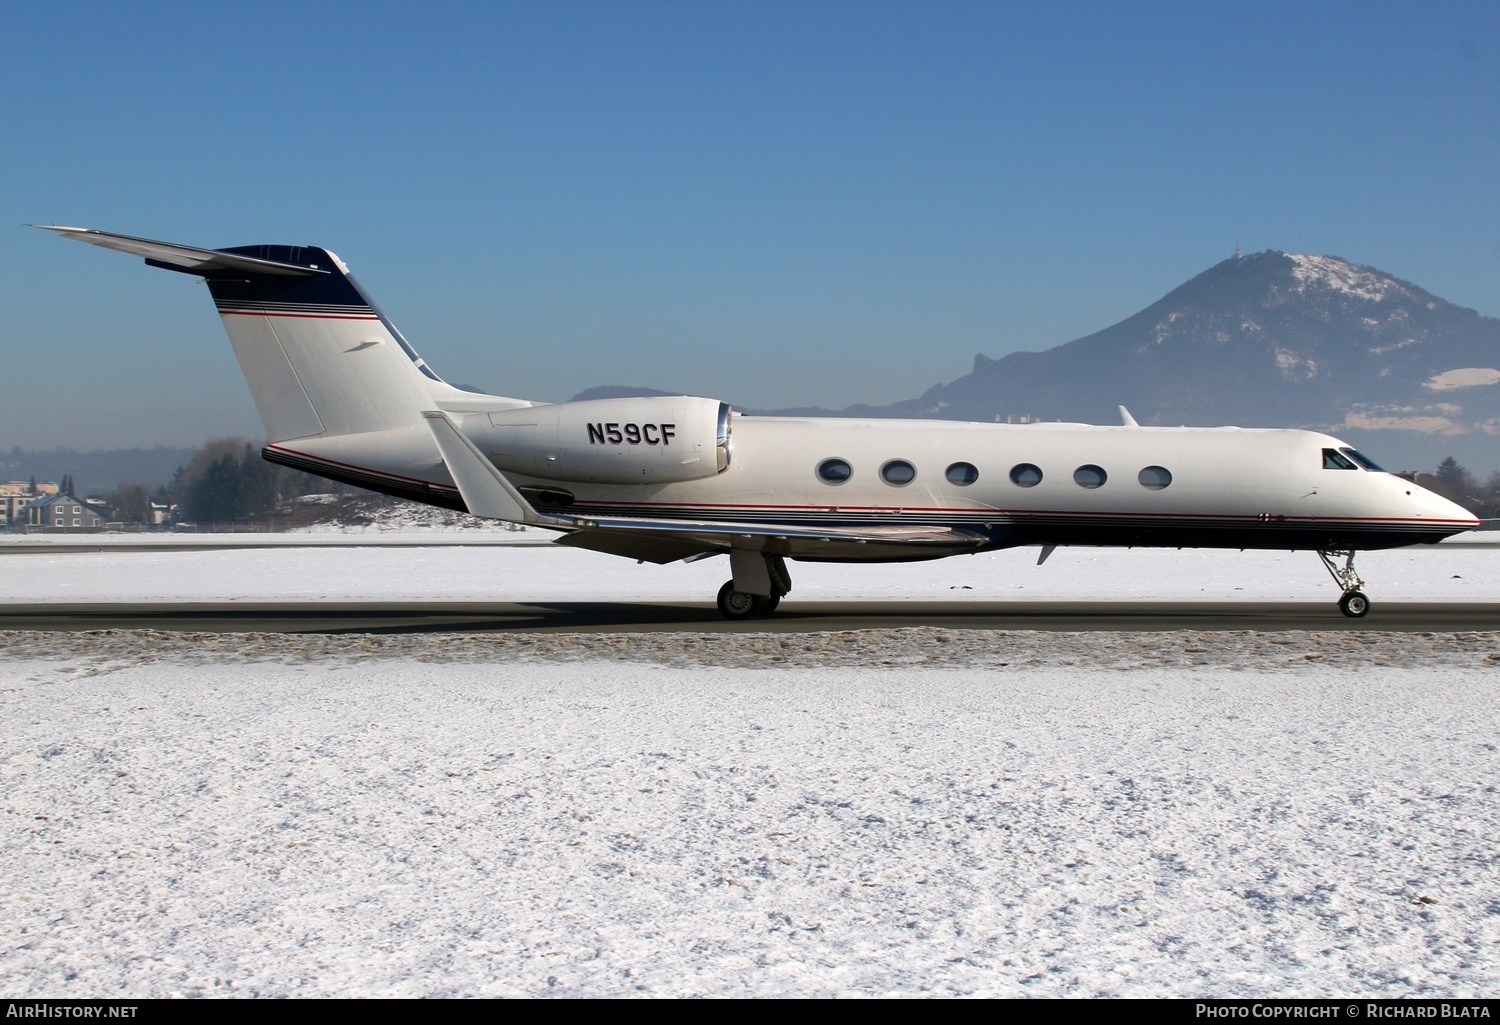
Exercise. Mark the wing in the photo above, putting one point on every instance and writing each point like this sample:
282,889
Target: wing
488,493
670,540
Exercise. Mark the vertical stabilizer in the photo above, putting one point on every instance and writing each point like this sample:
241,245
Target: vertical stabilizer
319,356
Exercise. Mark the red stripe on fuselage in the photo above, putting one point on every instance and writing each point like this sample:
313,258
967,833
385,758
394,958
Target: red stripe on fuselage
363,469
909,510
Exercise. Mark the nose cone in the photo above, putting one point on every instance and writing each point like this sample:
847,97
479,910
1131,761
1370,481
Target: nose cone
1439,512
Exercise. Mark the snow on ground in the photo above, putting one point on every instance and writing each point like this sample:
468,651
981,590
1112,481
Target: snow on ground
848,813
377,515
528,569
1025,819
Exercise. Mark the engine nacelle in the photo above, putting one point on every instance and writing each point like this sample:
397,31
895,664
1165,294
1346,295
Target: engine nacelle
657,440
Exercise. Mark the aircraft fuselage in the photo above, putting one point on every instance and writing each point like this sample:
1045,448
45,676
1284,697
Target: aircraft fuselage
1222,487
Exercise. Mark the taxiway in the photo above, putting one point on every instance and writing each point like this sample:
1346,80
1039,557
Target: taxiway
792,617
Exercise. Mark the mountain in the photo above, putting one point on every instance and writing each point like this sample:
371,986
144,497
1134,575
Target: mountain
1267,340
618,391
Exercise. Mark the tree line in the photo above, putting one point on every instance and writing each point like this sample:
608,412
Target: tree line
227,481
1453,482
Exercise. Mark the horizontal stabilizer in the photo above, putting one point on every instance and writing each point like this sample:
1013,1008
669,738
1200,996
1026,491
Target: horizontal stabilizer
185,258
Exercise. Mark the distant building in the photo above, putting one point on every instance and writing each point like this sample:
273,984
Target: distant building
61,512
23,487
15,495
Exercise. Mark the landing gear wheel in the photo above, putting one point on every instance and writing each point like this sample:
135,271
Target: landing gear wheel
738,604
1354,605
770,604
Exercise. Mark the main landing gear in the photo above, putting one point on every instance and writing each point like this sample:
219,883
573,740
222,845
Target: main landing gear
743,605
758,585
1353,604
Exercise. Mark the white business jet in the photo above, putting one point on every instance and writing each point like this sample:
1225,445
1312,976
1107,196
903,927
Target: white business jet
679,478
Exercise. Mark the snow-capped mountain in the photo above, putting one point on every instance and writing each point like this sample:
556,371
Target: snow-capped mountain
1266,340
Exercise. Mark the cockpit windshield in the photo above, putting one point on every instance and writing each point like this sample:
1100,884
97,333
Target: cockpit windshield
1362,460
1347,459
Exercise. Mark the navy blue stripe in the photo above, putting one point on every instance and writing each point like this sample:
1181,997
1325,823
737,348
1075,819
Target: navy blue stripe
334,291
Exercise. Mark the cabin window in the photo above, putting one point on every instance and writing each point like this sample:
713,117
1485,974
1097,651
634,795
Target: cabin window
962,474
1362,460
1025,475
834,471
898,473
1333,459
1154,478
1090,476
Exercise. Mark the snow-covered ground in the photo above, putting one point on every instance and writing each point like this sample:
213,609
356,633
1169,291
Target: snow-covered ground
518,568
885,812
359,825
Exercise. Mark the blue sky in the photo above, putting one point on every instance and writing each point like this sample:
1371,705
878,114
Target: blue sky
775,204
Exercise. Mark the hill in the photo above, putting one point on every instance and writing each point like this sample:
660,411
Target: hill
1271,339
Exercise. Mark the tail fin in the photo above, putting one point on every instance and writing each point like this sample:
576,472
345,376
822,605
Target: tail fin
319,356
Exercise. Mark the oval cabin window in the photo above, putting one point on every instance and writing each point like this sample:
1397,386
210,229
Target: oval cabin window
834,471
898,473
1154,478
1090,476
962,474
1025,475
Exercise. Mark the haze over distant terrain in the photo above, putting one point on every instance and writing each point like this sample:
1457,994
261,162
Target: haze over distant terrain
98,470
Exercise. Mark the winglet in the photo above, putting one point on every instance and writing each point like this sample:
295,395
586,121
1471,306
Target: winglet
1126,419
485,490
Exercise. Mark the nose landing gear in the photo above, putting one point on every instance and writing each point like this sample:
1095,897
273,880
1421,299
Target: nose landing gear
1353,604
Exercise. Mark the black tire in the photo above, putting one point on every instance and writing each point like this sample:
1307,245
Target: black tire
1354,605
737,604
768,605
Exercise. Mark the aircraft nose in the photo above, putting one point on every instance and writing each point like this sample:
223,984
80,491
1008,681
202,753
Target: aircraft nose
1435,507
